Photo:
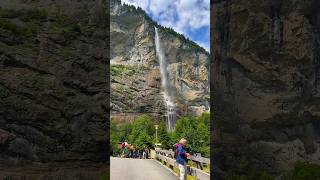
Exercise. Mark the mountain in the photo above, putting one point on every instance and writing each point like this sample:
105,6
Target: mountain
53,89
266,85
135,68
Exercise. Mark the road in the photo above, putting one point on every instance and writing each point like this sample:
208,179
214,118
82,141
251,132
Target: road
138,169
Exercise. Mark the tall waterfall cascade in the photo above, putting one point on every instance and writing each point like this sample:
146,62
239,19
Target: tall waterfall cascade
165,83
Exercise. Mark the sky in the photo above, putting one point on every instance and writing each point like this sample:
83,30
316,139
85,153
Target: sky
188,17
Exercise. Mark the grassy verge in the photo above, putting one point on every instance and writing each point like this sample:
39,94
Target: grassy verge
176,170
206,167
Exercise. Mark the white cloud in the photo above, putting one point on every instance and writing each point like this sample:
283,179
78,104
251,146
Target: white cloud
144,4
205,45
184,16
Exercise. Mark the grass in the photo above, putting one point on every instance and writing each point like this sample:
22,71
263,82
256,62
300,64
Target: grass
206,167
176,170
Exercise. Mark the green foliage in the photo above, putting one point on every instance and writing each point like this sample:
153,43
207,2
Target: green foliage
119,133
196,131
192,45
163,136
126,70
303,171
141,132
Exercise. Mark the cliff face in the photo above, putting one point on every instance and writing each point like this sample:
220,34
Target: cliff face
53,85
136,85
266,84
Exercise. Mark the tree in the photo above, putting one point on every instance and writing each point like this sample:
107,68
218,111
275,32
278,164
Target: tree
163,136
196,131
142,131
114,135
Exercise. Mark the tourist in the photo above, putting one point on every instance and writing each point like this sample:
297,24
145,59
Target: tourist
131,151
144,153
181,153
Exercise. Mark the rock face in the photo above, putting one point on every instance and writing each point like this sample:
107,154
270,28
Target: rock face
266,84
53,85
136,87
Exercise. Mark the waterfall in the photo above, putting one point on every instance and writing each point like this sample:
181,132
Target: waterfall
165,83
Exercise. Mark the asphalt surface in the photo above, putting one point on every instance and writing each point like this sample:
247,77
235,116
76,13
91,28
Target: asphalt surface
138,169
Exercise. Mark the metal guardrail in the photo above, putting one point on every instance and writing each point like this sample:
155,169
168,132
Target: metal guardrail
167,156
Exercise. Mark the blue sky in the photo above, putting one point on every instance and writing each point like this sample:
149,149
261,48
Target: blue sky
188,17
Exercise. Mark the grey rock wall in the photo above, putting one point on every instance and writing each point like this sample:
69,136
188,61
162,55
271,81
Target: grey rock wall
265,79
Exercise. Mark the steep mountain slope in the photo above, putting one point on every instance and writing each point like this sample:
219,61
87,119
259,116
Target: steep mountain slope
135,72
266,84
53,88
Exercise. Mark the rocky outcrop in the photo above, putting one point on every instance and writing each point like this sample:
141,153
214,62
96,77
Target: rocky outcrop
133,47
265,78
53,87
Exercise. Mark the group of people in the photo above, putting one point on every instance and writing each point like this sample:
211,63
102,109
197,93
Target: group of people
126,150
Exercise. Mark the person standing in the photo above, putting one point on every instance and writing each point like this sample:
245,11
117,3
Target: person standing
147,153
144,153
181,153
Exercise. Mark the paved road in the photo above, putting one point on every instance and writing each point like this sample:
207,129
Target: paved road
138,169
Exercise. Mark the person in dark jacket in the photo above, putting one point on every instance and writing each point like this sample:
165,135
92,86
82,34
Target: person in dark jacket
182,158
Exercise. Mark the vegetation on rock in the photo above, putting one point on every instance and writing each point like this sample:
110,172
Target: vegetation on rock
127,70
165,30
303,171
